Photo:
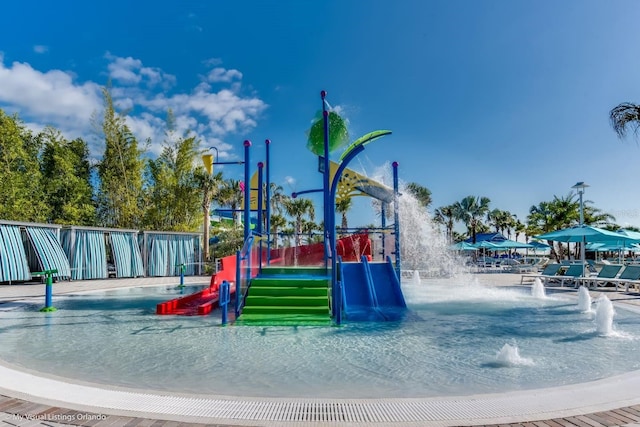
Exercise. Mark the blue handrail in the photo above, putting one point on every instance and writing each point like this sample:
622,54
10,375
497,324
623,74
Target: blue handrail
244,269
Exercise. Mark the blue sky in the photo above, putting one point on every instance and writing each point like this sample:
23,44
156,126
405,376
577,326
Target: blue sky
503,99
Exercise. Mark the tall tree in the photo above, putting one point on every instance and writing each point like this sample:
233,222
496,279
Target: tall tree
519,228
342,207
299,209
21,195
470,211
175,184
230,196
278,222
210,186
547,216
120,197
277,198
421,193
624,115
66,179
446,215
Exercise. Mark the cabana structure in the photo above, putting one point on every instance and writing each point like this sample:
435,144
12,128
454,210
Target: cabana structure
164,252
81,253
27,248
90,250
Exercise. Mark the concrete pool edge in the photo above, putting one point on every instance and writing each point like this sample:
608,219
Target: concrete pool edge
520,406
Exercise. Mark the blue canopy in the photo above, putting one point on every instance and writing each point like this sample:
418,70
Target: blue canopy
586,233
463,246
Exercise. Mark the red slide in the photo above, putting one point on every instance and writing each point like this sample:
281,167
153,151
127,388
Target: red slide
202,302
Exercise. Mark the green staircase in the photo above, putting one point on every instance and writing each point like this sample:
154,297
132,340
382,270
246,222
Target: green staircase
288,296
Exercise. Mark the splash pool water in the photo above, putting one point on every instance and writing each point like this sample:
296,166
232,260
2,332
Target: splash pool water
451,342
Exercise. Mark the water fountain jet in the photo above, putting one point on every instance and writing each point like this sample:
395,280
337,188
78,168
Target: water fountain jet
416,277
537,289
584,300
604,316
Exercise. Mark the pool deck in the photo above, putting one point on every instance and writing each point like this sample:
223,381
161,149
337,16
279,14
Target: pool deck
32,399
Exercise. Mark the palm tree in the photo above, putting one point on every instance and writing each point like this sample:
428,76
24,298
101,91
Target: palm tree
278,222
342,207
470,211
595,216
519,228
561,212
623,115
231,195
422,194
445,215
299,209
210,186
308,227
286,235
277,198
494,218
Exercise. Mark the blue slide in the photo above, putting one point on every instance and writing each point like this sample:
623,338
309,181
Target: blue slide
371,291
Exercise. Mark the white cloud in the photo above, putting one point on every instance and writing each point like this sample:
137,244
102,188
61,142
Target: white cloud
52,97
39,48
129,71
56,98
212,62
220,74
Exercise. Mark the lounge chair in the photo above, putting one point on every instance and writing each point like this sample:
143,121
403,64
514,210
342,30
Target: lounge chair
549,270
569,276
525,267
606,273
629,277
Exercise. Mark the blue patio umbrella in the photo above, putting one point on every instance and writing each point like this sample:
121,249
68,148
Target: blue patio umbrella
539,245
512,244
630,233
463,246
485,244
586,233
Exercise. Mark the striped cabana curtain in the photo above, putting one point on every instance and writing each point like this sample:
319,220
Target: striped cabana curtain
182,251
158,253
13,259
87,253
166,252
126,254
44,252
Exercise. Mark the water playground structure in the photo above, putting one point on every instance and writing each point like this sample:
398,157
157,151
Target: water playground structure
316,283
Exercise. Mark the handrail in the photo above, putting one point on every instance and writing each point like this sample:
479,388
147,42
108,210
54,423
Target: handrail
246,247
244,269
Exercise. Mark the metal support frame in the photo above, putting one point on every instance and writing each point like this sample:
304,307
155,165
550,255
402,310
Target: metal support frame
267,144
396,218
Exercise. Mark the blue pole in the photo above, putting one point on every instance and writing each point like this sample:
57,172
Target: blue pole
267,143
247,190
182,270
224,300
238,287
383,213
335,289
247,211
396,217
48,297
326,185
48,300
259,225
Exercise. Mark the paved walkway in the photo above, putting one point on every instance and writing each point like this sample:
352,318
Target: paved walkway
18,408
